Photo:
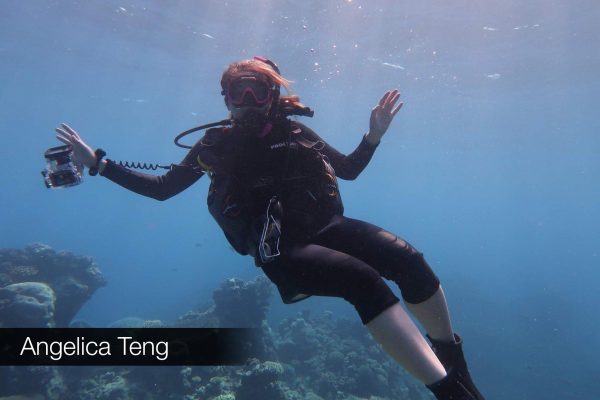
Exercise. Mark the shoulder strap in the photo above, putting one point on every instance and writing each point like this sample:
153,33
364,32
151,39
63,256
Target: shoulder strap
296,134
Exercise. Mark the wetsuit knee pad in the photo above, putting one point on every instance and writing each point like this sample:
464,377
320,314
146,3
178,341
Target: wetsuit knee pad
369,294
416,280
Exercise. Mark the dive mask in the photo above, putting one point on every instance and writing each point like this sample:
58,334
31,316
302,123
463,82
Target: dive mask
248,91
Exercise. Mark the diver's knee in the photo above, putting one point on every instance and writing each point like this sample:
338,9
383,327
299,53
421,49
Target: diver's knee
368,293
417,282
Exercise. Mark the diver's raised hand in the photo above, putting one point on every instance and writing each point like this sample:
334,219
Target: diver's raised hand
382,115
82,151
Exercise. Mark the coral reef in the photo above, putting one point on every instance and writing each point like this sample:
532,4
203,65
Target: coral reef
306,357
27,305
72,278
30,381
236,304
135,322
262,381
338,359
107,386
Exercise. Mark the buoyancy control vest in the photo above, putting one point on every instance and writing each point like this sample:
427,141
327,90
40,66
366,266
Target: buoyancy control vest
246,172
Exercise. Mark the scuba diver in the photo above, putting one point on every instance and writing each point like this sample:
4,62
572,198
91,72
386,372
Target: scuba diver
274,193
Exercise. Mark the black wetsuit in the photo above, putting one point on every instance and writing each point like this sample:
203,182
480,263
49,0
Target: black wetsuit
322,252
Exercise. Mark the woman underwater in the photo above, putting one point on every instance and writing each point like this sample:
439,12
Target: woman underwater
274,193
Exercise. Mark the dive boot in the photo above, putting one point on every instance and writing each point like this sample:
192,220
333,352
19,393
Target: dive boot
450,388
452,358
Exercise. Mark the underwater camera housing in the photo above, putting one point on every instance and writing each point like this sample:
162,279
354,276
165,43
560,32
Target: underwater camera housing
62,168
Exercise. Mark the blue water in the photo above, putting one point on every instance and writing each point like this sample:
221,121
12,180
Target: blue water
491,168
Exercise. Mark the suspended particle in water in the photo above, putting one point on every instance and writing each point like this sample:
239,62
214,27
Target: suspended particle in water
395,66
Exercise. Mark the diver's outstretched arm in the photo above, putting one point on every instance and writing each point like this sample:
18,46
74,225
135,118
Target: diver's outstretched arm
159,187
350,166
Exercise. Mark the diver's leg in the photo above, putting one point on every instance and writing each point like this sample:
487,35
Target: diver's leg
447,345
397,334
397,260
434,316
317,270
452,357
400,338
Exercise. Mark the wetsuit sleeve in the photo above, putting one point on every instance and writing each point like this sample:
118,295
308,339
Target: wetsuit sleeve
159,187
346,166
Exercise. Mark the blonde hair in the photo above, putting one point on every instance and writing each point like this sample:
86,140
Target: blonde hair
261,68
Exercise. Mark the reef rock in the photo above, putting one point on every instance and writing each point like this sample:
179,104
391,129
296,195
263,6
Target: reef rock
242,304
237,304
107,386
72,278
262,381
27,305
31,382
135,322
